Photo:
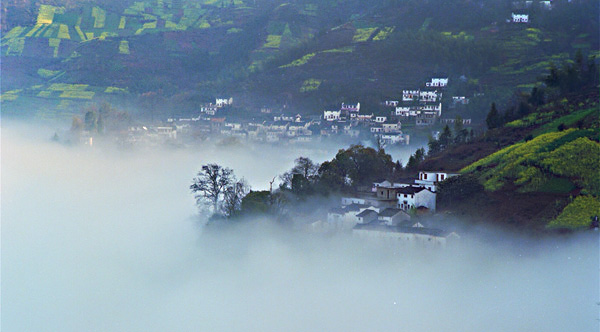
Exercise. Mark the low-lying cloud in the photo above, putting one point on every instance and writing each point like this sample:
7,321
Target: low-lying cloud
102,240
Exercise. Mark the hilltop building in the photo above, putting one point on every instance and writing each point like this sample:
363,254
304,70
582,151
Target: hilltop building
437,82
520,18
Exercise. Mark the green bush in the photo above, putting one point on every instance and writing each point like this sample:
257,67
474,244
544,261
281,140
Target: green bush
579,160
531,165
578,214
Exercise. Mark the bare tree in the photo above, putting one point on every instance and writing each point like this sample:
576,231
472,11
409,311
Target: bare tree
233,195
210,184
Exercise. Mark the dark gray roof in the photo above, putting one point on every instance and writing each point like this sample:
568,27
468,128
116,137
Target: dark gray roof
390,212
376,226
356,207
442,171
405,181
381,180
366,213
338,210
411,190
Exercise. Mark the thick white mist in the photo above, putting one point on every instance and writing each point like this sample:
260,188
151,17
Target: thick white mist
102,240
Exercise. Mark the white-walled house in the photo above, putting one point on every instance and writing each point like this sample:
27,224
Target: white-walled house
433,109
415,197
391,126
346,217
391,103
220,102
520,18
318,226
350,107
288,118
546,4
363,117
437,82
453,121
430,180
169,132
353,200
460,100
392,216
332,115
429,96
400,235
410,95
373,202
387,193
209,109
339,219
367,216
380,119
394,138
401,183
380,183
234,125
426,119
402,111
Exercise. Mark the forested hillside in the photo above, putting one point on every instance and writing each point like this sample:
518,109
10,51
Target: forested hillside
167,57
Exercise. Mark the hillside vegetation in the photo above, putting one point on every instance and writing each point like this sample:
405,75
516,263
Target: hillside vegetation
556,161
559,171
538,166
305,55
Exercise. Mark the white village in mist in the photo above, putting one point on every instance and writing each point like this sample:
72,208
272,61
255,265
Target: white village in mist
311,165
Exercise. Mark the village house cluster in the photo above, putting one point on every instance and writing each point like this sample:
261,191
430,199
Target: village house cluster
214,120
424,106
385,211
526,6
211,122
350,122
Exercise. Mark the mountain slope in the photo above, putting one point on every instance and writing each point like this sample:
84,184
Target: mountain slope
304,54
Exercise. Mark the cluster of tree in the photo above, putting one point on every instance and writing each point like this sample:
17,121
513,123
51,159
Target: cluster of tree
349,170
98,119
446,138
415,160
572,77
219,189
352,168
457,189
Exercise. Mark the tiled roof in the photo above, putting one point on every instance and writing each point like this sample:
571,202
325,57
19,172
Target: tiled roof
376,226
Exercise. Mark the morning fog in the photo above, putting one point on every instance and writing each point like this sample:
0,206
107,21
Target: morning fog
109,240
